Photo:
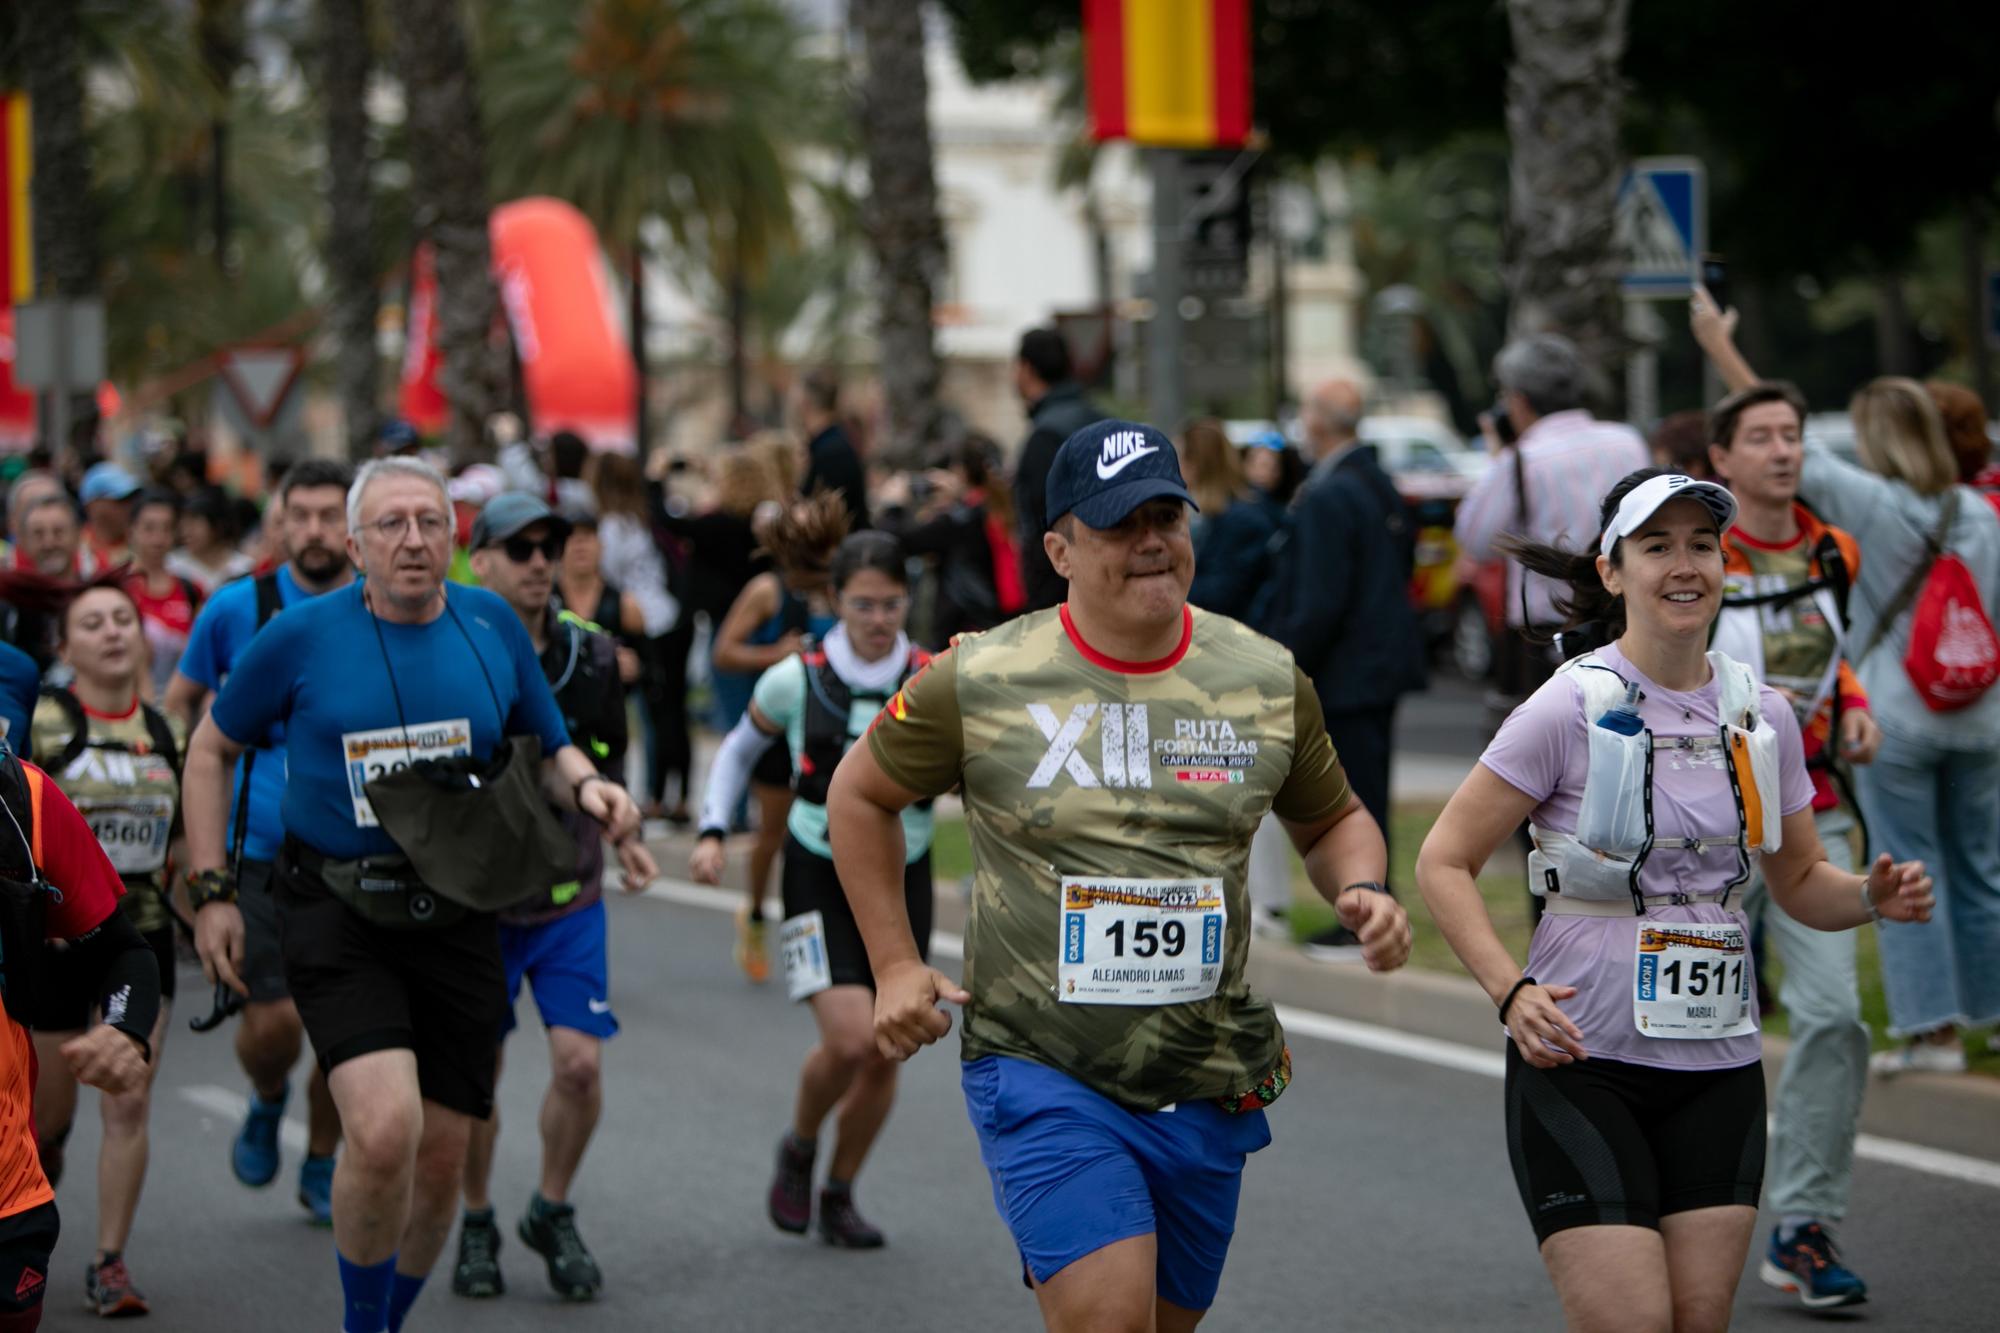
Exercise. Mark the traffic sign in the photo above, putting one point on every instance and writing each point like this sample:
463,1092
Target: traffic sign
261,378
1662,226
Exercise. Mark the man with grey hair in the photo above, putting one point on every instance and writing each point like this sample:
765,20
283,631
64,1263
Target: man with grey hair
1553,461
400,987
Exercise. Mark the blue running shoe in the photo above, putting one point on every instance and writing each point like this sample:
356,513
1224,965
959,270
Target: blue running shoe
254,1154
316,1189
1810,1267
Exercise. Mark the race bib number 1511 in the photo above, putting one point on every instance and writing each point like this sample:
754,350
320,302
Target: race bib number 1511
1140,941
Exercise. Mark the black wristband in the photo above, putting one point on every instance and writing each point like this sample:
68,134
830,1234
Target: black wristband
1507,1003
1373,886
576,789
719,834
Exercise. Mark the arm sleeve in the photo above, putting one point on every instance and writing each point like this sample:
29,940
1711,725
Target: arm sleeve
730,773
129,989
1488,510
1317,785
1848,686
918,738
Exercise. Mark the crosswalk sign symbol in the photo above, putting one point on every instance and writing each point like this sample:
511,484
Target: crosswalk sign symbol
1662,226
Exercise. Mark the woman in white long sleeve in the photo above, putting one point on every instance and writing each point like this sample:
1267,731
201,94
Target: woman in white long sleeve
632,560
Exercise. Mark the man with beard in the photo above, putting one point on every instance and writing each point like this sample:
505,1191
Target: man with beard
310,513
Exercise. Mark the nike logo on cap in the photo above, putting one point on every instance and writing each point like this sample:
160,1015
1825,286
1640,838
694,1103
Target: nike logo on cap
1121,451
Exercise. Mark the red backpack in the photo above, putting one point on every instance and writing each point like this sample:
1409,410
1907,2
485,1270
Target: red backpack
1954,654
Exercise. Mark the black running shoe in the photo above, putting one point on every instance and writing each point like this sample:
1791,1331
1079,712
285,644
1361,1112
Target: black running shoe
790,1200
841,1223
549,1229
477,1272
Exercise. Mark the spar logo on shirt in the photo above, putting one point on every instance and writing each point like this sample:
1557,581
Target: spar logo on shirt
1200,750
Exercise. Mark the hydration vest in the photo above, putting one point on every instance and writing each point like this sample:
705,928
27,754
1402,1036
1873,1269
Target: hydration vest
25,895
829,705
1602,864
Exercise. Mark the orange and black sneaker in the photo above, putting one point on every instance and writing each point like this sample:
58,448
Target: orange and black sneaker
108,1290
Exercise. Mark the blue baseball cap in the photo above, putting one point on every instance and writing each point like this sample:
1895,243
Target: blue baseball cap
107,481
1108,469
510,513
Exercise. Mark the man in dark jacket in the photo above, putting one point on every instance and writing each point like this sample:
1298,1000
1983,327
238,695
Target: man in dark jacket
1345,612
831,463
1057,410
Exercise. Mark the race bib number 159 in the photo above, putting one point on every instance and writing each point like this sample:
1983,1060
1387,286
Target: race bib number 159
1140,941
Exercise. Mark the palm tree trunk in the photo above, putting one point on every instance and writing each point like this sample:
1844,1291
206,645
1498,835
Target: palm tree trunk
448,183
350,241
901,217
65,221
1564,98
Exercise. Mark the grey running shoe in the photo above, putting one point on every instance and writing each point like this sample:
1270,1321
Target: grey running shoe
549,1229
477,1272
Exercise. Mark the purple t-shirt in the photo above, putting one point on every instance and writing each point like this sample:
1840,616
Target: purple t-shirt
1543,750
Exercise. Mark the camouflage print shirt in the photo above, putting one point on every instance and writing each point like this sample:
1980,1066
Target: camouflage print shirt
1096,784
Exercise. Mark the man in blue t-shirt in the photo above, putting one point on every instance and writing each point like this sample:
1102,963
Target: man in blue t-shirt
400,989
20,682
310,511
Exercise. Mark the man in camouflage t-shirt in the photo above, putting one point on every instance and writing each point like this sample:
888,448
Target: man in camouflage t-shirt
1115,756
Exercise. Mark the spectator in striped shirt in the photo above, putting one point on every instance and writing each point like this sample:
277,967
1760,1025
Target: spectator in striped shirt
1543,486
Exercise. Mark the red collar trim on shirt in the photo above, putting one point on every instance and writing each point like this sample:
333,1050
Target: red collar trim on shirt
1095,658
1737,534
125,716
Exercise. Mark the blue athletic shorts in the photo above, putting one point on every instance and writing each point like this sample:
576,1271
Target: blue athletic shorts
1073,1172
564,960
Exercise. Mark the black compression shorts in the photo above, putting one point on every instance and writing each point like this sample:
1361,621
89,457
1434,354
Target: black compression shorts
439,991
27,1239
1605,1143
263,960
810,885
773,767
66,995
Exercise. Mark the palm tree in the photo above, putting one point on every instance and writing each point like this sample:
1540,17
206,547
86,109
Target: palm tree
1564,98
685,110
352,271
449,184
902,217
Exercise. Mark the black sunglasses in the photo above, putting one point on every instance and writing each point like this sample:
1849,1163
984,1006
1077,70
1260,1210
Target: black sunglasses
518,549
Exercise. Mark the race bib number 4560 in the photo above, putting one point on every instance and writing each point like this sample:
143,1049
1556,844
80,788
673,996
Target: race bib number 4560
374,754
1692,980
1140,941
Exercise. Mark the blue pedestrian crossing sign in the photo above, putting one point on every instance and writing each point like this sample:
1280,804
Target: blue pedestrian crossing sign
1662,226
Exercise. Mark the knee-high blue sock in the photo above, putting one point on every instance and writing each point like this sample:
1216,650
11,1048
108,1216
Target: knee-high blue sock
401,1297
366,1290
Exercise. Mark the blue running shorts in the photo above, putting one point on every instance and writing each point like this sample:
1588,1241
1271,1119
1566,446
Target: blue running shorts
1073,1172
566,963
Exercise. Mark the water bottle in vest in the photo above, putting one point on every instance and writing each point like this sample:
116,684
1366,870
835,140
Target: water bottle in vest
1613,817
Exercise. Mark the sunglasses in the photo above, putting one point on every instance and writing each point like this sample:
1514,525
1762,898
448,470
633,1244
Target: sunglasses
521,549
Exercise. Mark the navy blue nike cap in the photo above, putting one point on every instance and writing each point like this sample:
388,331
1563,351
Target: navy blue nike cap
1108,469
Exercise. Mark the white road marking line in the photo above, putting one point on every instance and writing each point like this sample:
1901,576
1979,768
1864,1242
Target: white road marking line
1408,1046
231,1106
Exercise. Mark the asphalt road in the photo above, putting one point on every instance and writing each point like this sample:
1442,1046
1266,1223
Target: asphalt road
1385,1202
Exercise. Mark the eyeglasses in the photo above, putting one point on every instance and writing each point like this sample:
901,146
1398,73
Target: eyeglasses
522,549
430,525
868,606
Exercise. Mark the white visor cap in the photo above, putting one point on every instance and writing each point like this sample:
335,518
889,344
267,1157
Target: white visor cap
1645,499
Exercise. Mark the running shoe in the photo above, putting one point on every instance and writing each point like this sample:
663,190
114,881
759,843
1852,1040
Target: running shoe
842,1225
108,1291
1271,924
316,1189
1919,1057
477,1272
1335,944
1809,1266
549,1229
751,955
254,1154
791,1188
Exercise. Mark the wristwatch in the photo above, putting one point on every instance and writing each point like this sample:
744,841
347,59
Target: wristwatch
209,886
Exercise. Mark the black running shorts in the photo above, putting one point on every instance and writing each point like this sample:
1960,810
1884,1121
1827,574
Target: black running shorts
438,991
773,767
27,1240
810,885
263,959
1605,1143
66,995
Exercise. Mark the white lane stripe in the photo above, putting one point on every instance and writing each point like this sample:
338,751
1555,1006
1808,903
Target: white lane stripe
230,1106
1411,1046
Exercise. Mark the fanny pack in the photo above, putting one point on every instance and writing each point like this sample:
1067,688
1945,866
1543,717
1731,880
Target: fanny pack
384,891
478,831
1267,1090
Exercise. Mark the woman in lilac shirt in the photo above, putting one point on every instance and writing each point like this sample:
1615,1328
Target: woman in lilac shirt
1635,1097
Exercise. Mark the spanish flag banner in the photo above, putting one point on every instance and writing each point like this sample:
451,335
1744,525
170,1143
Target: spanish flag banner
1170,73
